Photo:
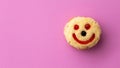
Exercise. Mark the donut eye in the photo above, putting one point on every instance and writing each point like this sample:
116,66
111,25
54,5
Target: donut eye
76,27
87,26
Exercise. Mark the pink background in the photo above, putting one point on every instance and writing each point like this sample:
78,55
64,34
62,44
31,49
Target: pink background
31,34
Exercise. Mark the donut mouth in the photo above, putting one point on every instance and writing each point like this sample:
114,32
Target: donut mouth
83,42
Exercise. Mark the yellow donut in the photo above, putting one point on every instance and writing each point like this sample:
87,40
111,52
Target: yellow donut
82,32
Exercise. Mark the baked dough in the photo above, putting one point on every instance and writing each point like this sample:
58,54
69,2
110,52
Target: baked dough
82,32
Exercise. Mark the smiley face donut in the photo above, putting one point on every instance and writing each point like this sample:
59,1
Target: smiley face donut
82,32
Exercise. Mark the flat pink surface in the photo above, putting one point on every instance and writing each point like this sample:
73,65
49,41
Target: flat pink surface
31,34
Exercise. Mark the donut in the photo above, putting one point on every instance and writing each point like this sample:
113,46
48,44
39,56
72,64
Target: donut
82,32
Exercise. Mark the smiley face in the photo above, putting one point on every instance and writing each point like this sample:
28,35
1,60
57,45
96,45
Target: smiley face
82,32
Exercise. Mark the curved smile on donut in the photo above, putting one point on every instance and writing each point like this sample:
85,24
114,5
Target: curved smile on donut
84,42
